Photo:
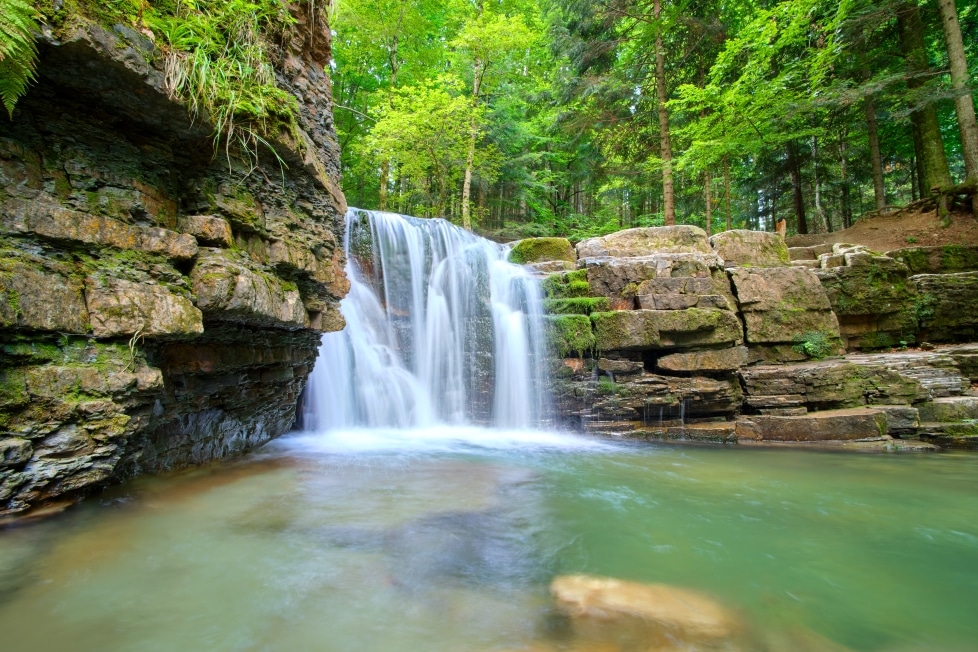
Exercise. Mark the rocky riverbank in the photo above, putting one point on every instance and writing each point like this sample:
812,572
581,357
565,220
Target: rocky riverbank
160,305
663,334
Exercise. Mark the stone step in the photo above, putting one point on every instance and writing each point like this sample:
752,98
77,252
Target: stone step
848,424
936,371
963,436
900,419
875,445
949,409
719,432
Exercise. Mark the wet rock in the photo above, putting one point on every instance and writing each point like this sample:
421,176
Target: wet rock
14,451
900,419
619,367
645,241
122,308
668,614
959,436
744,248
642,330
710,360
854,423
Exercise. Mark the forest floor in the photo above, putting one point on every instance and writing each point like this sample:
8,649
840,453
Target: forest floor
899,229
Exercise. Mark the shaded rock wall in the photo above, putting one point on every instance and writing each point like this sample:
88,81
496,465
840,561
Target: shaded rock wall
159,305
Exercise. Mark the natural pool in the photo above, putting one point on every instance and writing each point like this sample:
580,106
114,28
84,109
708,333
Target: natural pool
447,539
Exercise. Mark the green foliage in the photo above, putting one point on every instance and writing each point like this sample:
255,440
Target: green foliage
576,305
18,52
816,344
217,60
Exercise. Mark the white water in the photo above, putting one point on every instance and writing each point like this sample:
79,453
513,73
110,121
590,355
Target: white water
441,330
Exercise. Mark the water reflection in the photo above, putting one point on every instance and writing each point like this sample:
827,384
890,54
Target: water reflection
449,542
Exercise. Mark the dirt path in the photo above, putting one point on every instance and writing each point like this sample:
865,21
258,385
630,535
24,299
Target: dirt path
897,230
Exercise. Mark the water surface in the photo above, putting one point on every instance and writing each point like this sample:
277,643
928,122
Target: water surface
446,539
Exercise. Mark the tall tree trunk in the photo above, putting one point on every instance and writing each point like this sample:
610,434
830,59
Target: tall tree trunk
819,209
708,197
845,199
797,194
932,159
385,170
964,104
470,155
726,190
665,145
875,156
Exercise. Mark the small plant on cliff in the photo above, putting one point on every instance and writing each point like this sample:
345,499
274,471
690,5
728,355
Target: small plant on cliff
814,344
217,60
18,52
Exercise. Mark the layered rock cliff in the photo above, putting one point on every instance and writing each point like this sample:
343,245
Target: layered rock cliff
161,303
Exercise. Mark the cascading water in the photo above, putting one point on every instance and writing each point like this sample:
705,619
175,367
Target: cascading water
441,329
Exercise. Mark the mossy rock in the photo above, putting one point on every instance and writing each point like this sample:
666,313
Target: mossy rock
538,250
944,259
577,305
571,334
569,285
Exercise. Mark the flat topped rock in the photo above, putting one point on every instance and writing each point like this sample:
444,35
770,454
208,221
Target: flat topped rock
741,247
644,241
829,425
686,613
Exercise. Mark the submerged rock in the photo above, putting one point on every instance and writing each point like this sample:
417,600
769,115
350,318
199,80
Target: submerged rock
663,616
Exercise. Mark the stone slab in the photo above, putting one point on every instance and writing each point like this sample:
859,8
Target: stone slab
856,423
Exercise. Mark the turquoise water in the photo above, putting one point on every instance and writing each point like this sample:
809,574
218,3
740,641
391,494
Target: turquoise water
448,539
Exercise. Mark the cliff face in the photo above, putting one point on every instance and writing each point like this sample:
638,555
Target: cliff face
160,306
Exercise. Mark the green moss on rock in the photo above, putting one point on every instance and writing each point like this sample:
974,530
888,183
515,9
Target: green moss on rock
577,305
569,285
571,334
538,250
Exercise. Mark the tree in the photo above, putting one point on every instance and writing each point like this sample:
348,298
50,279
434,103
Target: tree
494,44
960,81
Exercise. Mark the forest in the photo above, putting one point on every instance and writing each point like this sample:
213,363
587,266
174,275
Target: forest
522,118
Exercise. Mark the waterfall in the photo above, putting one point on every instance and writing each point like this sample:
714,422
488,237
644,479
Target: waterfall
441,329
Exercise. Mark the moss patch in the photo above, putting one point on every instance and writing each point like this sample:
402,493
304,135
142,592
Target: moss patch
577,305
537,250
569,285
571,334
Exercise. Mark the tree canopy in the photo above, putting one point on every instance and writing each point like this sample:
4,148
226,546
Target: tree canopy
537,117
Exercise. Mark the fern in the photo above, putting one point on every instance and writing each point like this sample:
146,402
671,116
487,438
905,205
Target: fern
18,52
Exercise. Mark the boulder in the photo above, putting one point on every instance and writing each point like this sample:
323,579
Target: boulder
743,248
644,241
875,303
35,297
642,330
122,308
782,304
948,306
829,384
618,278
708,361
950,408
228,289
669,613
848,424
209,230
538,250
